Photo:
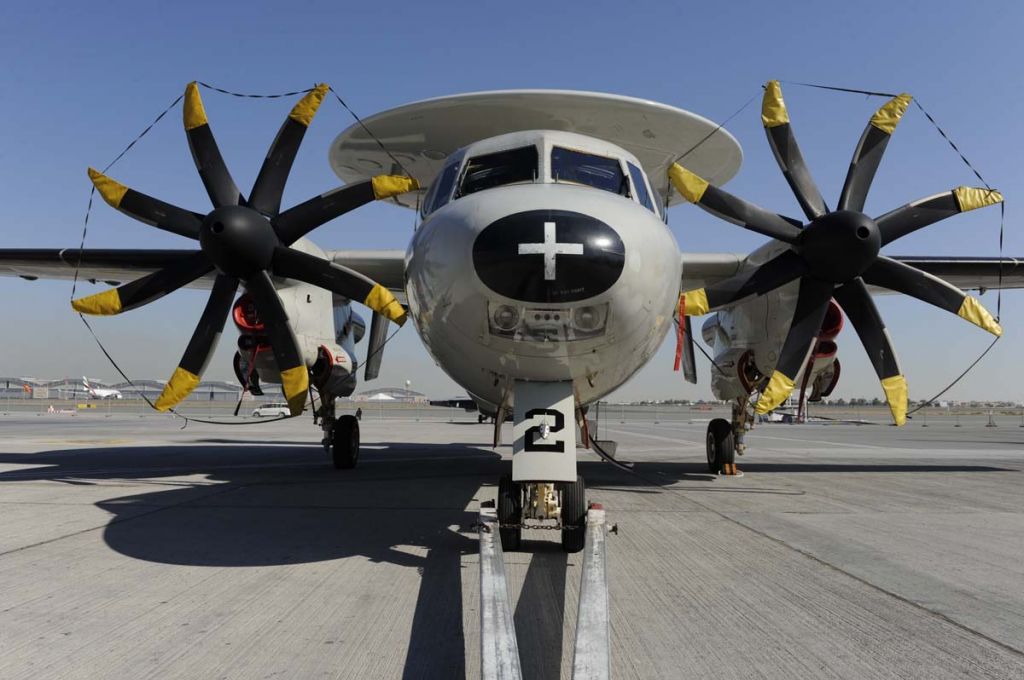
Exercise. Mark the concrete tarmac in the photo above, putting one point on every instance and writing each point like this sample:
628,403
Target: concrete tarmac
130,548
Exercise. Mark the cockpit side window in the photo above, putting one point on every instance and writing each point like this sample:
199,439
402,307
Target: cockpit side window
499,168
640,185
584,168
442,189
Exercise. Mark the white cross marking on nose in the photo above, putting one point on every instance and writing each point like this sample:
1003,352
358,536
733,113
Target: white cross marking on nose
549,249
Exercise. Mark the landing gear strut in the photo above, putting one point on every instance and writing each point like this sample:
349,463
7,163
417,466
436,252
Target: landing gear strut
725,439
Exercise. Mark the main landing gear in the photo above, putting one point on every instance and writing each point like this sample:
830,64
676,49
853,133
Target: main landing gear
725,440
341,436
565,502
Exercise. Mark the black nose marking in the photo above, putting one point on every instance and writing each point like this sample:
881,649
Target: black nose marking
548,256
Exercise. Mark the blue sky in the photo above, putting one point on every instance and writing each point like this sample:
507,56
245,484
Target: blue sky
81,79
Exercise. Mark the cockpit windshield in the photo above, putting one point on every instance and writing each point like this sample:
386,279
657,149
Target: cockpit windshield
584,168
496,169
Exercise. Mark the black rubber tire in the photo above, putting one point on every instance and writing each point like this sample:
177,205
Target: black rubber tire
510,507
720,445
345,443
574,514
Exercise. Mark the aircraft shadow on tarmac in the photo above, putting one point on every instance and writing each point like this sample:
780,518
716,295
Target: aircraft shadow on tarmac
250,505
265,505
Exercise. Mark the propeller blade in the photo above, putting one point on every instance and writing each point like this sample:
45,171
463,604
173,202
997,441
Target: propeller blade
296,222
811,305
913,216
294,264
697,190
869,151
269,187
200,348
860,309
781,139
146,209
146,289
210,164
903,278
776,272
294,374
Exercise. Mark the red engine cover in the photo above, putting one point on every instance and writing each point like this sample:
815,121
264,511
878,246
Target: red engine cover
833,322
245,316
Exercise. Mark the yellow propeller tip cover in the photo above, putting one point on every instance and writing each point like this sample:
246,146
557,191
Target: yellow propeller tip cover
106,303
180,385
304,111
895,388
194,114
695,302
386,186
888,116
111,190
778,389
382,301
971,198
973,311
689,185
773,109
295,384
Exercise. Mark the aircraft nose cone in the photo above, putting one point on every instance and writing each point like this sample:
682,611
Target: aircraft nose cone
548,256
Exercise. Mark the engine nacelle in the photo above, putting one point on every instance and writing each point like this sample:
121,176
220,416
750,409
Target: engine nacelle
334,371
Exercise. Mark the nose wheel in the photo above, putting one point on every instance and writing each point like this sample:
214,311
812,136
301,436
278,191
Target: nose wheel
573,515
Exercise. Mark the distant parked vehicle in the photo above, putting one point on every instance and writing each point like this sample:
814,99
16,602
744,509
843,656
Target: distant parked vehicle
272,410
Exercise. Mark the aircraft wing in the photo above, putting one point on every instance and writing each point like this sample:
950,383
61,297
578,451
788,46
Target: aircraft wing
117,266
966,273
971,273
98,265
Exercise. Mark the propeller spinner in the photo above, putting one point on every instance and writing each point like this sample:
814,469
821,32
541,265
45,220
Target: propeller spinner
836,254
246,241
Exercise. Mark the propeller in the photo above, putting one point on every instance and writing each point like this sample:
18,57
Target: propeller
836,253
247,242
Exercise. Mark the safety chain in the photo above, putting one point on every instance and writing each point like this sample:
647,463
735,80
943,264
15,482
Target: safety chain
486,528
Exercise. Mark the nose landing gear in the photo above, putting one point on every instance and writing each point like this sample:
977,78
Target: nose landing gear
564,502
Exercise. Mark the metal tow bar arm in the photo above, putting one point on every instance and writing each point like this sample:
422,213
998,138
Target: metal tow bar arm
591,659
499,651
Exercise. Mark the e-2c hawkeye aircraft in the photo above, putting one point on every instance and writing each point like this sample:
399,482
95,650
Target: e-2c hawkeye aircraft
542,274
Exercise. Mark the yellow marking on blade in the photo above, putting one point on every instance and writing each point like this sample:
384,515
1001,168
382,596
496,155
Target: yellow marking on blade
111,190
972,310
193,114
773,109
778,389
295,384
381,300
386,186
304,111
106,303
971,198
180,385
895,388
888,116
696,302
690,186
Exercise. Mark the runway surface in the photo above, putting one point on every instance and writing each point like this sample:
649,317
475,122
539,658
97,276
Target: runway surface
132,548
